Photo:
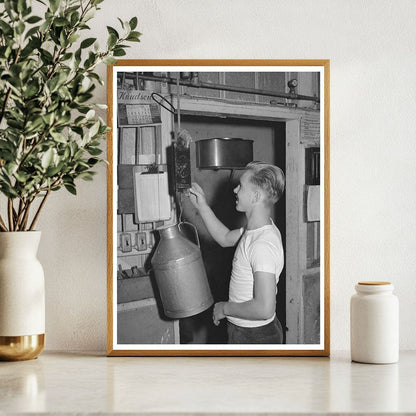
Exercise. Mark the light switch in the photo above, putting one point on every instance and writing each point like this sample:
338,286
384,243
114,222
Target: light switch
126,242
141,241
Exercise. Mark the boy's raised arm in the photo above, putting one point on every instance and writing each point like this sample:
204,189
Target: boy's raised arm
219,232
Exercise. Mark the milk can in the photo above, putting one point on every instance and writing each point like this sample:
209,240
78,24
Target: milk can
180,273
374,323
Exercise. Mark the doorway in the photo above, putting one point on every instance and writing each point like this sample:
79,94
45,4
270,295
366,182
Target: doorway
269,145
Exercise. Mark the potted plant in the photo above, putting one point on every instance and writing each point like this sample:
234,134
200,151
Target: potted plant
50,136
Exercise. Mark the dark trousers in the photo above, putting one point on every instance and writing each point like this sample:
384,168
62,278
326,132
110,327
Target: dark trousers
271,333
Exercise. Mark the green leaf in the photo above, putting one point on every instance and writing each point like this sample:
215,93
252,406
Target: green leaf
88,16
110,60
112,31
7,29
53,83
123,25
54,4
27,52
119,52
67,153
31,90
21,5
52,171
86,176
15,123
21,177
82,166
35,125
33,19
94,151
27,11
61,21
47,158
94,129
73,38
4,145
48,118
90,114
63,41
133,23
20,27
10,7
70,188
87,42
31,31
11,168
78,154
67,56
74,18
112,41
46,56
133,37
92,161
78,130
82,98
64,93
60,138
8,191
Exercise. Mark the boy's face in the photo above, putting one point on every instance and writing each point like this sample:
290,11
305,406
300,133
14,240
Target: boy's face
245,192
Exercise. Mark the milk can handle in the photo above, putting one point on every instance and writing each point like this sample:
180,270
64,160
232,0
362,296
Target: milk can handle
194,228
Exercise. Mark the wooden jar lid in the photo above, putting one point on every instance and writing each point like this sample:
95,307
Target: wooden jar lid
374,283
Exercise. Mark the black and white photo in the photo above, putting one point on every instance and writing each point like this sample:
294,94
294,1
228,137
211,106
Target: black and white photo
218,209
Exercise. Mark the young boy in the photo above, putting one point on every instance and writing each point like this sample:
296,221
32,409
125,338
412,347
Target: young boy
258,259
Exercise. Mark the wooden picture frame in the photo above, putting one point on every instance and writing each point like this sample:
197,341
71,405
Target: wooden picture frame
149,101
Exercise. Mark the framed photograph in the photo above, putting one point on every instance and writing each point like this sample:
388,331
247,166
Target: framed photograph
218,208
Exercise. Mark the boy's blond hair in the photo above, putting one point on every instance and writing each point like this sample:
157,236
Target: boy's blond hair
269,178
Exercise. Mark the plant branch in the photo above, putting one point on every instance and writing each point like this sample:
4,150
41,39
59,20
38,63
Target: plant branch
10,213
19,215
39,209
26,216
23,211
2,225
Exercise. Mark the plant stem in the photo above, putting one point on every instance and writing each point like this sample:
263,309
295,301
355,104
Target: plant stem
2,225
39,209
10,213
18,216
21,212
26,216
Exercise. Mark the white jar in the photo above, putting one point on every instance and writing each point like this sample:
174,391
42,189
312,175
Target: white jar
374,323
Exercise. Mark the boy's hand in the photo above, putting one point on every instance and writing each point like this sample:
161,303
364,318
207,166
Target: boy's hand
218,313
197,196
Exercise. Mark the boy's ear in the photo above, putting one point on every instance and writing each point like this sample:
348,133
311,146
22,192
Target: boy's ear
256,196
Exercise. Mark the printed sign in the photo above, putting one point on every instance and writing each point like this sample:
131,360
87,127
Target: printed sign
136,107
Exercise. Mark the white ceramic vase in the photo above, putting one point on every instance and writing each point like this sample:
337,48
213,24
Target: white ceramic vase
22,296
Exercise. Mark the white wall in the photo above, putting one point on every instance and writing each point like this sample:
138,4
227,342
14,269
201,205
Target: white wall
371,45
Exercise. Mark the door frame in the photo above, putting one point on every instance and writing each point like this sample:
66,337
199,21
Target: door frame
295,174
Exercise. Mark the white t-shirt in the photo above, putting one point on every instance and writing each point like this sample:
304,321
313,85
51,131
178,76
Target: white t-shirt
258,250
